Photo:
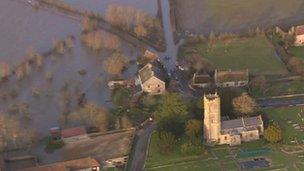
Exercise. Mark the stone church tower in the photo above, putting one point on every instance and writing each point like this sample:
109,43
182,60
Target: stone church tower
212,118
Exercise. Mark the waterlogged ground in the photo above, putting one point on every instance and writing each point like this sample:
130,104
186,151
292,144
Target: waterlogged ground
204,16
22,27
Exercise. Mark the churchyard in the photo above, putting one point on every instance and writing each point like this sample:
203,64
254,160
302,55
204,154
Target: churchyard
278,89
285,155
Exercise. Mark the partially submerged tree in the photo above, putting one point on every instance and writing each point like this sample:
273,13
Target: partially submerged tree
115,63
97,40
12,134
91,115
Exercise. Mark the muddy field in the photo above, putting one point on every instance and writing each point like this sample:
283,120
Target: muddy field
204,16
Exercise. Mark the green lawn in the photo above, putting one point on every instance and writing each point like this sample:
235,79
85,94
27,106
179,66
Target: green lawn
255,53
297,51
278,89
155,158
282,116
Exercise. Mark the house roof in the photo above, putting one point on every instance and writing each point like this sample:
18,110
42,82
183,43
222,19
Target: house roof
201,79
70,165
242,123
150,55
299,30
150,70
228,76
71,132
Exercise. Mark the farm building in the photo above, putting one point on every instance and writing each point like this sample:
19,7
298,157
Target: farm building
231,78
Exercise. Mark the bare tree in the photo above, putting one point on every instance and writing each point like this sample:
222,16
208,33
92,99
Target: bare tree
115,63
244,104
12,134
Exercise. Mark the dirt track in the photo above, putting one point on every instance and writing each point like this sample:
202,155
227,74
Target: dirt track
204,16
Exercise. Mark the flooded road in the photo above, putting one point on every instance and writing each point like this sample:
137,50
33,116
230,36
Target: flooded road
170,56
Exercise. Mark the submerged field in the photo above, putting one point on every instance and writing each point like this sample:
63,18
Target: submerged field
203,16
254,53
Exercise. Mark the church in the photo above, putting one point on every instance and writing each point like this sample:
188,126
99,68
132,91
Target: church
231,132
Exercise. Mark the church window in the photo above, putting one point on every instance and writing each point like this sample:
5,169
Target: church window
225,137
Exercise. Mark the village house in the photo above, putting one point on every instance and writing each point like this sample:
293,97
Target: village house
298,33
231,132
74,134
201,80
83,164
231,78
151,78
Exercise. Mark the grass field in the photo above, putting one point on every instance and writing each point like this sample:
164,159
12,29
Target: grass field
282,116
255,54
204,16
155,158
278,89
297,52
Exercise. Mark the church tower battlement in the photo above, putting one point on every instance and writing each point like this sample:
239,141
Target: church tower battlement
212,118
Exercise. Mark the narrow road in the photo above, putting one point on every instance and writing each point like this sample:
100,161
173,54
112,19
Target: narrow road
282,102
141,147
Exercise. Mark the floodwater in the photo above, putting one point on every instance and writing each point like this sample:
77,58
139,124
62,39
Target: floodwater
100,6
21,27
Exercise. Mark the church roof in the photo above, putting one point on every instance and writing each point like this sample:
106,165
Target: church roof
231,124
242,123
252,121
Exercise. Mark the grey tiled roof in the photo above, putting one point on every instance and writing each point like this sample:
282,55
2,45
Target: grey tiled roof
151,70
231,124
252,121
242,123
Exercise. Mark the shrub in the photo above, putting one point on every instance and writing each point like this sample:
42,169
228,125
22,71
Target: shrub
191,149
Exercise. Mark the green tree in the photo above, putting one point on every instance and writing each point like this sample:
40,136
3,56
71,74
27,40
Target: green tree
121,97
171,106
273,133
166,142
194,128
